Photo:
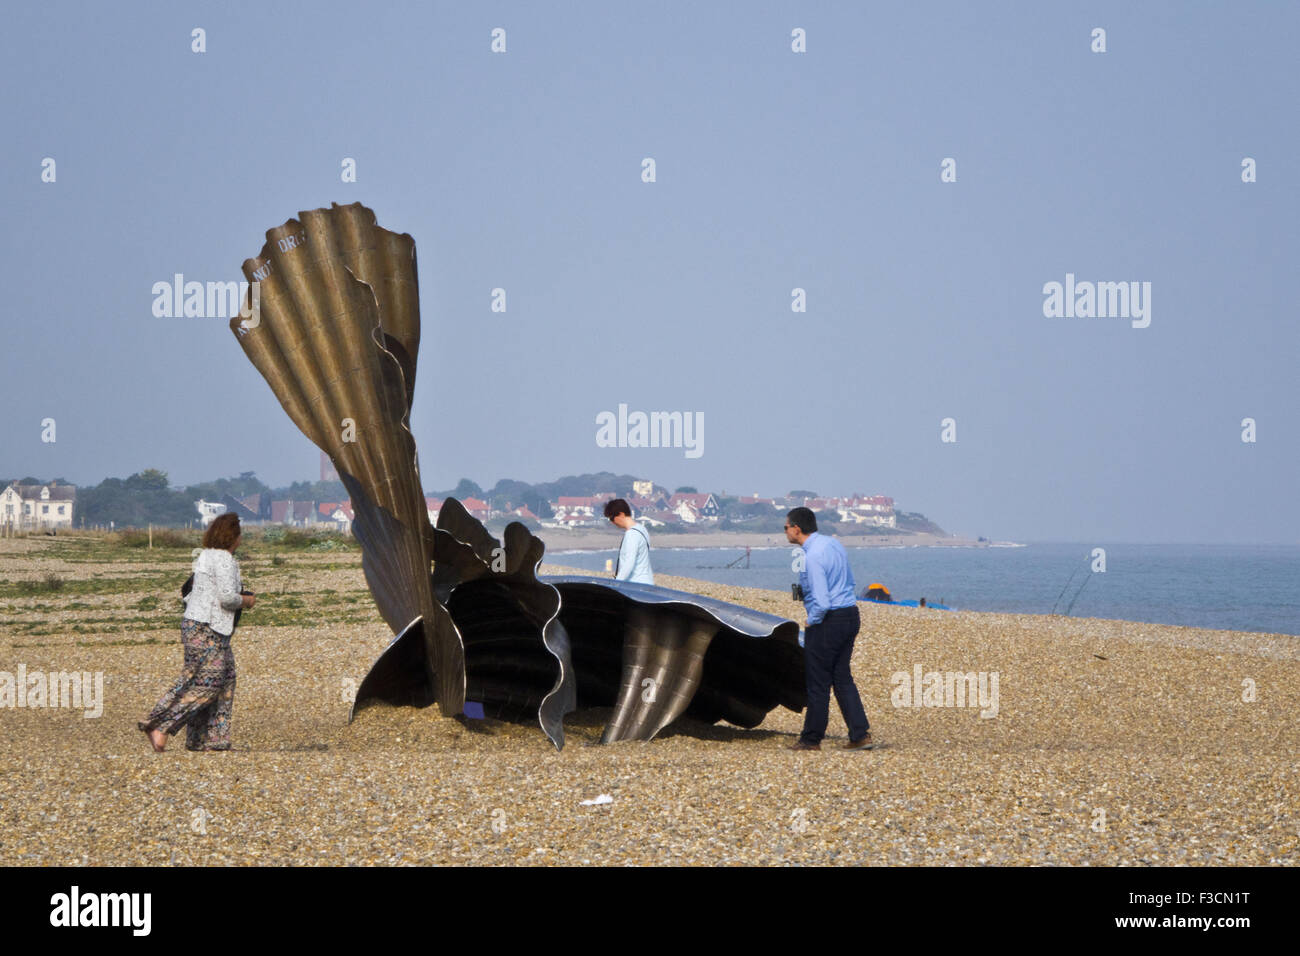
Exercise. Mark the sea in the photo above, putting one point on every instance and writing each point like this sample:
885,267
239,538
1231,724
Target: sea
1222,587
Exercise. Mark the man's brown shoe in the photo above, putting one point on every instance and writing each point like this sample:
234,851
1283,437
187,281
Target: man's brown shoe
863,744
800,745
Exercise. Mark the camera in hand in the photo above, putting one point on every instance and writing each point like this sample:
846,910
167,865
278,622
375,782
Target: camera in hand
796,593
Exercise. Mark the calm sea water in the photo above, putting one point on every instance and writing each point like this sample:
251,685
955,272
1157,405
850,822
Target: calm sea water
1225,587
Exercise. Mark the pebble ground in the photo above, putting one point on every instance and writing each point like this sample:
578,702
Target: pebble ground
1114,743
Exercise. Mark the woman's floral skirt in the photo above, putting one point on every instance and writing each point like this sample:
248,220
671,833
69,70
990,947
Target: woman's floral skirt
204,696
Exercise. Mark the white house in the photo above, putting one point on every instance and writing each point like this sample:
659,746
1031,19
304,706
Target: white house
694,508
11,506
874,510
38,506
338,514
209,510
573,511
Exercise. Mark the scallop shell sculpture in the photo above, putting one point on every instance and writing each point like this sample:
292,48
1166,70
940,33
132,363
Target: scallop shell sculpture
336,333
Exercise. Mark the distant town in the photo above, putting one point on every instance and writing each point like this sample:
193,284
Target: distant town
574,502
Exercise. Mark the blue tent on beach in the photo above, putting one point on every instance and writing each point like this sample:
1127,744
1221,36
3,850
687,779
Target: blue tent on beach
877,593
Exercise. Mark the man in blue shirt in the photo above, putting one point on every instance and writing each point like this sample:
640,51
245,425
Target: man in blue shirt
833,622
634,553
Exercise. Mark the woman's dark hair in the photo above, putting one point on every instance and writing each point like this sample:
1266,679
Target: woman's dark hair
223,531
618,506
804,518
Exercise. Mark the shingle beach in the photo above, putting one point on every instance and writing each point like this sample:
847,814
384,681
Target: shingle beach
1114,743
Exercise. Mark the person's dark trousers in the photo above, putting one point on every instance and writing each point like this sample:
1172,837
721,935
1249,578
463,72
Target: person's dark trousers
828,648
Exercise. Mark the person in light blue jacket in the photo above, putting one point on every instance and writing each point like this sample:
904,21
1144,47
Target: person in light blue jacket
833,624
634,554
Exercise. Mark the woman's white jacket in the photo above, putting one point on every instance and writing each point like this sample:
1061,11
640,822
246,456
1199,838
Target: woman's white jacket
215,597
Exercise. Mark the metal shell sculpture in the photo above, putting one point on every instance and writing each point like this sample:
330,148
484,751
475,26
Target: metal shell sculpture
333,325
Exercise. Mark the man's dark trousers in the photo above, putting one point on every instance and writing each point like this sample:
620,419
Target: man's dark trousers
828,648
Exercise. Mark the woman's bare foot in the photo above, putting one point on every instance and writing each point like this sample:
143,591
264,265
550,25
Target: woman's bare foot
157,739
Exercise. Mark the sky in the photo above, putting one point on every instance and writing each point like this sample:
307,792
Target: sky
774,170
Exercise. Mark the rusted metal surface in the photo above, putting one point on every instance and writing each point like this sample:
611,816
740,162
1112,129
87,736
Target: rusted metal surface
336,335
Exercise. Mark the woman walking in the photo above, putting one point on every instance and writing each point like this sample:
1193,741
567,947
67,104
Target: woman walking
202,700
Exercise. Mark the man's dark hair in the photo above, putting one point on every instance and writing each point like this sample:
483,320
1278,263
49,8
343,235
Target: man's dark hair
618,506
804,518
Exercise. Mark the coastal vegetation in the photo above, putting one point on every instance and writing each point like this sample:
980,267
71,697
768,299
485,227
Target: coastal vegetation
146,499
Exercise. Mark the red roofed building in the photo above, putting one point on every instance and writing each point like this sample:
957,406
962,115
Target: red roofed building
656,499
573,511
642,505
874,510
337,513
297,514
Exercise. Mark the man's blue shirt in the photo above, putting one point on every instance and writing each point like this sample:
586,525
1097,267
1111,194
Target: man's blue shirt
634,556
826,579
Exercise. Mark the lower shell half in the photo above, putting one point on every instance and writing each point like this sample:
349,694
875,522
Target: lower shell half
652,654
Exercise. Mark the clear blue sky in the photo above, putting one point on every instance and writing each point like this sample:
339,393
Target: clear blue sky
775,170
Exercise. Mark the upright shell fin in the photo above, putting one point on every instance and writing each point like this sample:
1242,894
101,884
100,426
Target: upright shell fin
335,334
